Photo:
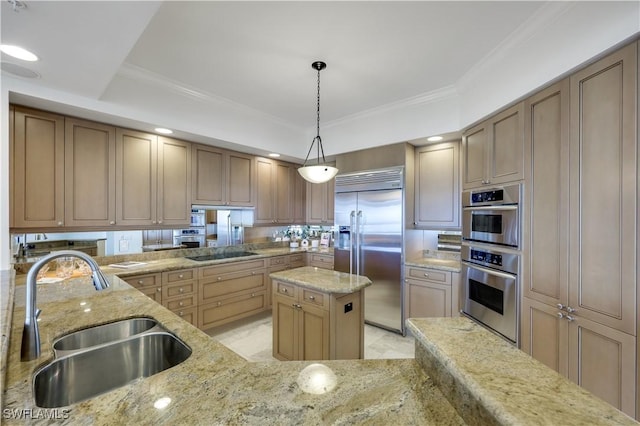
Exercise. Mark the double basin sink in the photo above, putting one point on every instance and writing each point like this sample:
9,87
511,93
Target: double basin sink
96,360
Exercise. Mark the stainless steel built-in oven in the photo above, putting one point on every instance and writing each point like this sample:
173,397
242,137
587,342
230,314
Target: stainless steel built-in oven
189,238
490,288
492,215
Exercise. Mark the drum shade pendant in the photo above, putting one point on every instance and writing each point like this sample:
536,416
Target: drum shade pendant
320,172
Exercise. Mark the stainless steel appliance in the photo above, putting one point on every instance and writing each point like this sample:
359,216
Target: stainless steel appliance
369,222
492,215
231,223
490,288
190,238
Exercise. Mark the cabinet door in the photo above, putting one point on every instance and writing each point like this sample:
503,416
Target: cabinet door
313,323
546,227
438,186
174,182
90,173
428,299
474,147
38,169
506,144
330,188
545,335
316,203
299,204
285,329
602,360
136,178
284,189
240,180
209,171
603,156
265,191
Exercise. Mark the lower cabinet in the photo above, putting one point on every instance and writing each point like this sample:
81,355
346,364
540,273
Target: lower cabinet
319,260
431,293
312,325
180,293
149,284
599,358
231,291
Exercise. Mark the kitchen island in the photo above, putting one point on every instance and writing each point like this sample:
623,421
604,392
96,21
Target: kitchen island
318,314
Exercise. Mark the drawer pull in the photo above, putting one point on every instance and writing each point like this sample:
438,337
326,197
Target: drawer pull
283,290
219,303
140,281
181,290
253,295
159,289
181,314
219,278
426,275
180,276
312,298
181,304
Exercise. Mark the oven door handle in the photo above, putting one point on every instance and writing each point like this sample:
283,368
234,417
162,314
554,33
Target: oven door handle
500,207
489,271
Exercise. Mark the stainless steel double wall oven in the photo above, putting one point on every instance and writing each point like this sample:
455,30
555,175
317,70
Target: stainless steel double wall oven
491,232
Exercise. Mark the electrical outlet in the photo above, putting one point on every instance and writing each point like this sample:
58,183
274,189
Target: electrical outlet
124,245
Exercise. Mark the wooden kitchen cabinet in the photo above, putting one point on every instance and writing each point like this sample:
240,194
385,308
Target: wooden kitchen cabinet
320,260
37,169
313,325
430,293
282,263
299,203
579,310
90,174
274,192
222,178
437,186
153,180
180,293
149,284
320,203
492,151
231,291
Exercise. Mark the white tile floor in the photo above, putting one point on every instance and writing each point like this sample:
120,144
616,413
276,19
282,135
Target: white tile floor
251,339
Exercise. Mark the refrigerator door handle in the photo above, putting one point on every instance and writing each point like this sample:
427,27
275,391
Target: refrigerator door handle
358,241
352,218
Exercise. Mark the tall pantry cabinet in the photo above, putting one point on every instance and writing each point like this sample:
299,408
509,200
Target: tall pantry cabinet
579,305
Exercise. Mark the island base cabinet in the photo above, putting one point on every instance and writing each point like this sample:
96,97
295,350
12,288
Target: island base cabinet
310,325
596,357
227,310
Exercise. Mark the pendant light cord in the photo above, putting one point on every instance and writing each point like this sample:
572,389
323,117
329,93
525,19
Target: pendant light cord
319,66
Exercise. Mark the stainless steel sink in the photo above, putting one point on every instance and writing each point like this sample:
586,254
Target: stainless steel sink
88,373
103,334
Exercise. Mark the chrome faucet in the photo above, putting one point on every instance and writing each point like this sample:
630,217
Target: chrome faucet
31,334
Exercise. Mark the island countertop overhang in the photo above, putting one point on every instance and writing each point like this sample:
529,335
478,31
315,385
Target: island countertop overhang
324,280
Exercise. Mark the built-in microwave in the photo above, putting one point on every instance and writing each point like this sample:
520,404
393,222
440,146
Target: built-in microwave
492,215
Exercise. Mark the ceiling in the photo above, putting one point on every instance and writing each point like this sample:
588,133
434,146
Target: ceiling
238,74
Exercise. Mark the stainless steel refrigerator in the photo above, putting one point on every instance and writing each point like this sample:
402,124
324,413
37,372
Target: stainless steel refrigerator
369,227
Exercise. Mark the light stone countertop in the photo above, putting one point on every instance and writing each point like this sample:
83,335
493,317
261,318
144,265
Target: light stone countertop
215,385
324,280
492,382
440,260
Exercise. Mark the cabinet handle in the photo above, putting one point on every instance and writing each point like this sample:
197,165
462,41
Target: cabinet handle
60,223
219,278
112,223
253,295
159,289
219,303
181,290
181,304
570,309
560,315
312,298
561,306
283,290
181,313
253,272
426,275
159,222
140,281
297,306
180,276
569,318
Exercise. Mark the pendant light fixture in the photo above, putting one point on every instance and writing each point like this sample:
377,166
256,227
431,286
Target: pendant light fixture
320,172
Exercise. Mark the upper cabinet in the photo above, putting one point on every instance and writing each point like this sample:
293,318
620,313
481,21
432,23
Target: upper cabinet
299,198
275,192
37,169
222,178
493,150
90,163
153,180
320,203
437,186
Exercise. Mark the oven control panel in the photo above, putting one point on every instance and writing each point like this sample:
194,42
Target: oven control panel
488,258
487,196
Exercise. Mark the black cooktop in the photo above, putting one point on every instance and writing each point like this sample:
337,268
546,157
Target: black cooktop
218,256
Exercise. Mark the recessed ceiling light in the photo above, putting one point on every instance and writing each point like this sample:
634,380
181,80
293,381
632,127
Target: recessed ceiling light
18,70
435,139
163,130
18,52
274,155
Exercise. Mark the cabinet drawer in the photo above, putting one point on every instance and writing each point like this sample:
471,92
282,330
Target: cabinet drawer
179,289
275,261
217,270
182,275
441,277
315,298
190,315
181,302
321,261
284,289
223,311
154,293
296,260
140,281
232,285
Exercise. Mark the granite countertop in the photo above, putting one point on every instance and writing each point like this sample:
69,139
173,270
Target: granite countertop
214,385
440,260
323,280
492,382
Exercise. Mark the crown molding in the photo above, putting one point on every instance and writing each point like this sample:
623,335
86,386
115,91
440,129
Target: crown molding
141,74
